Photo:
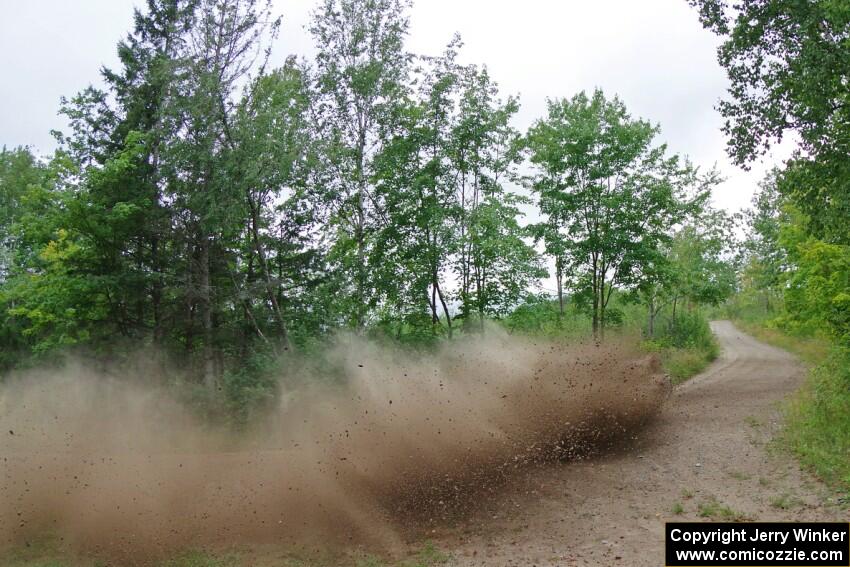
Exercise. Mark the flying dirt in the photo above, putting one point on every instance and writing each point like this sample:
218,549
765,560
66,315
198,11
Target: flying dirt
112,466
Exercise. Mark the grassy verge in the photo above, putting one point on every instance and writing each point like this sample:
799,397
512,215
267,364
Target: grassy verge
685,348
684,363
685,344
817,428
811,350
48,555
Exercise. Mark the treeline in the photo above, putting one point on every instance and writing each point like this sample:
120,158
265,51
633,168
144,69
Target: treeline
789,66
213,206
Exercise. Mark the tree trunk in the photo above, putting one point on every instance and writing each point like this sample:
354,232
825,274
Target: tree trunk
559,277
432,304
360,230
673,321
191,299
156,292
209,377
602,304
264,266
651,325
595,286
445,309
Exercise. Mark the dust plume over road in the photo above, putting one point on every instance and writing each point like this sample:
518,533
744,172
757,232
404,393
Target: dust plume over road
406,442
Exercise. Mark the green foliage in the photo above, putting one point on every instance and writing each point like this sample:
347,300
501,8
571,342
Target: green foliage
609,193
788,63
818,291
690,329
686,345
540,316
230,215
685,348
818,428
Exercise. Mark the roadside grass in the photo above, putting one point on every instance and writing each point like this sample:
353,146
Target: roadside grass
44,552
678,509
47,554
685,345
817,424
682,363
428,556
810,350
200,559
785,501
738,475
713,509
818,421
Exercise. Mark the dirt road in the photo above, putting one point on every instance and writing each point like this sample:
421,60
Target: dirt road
707,456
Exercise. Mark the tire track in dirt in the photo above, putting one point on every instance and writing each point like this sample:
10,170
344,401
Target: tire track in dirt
708,446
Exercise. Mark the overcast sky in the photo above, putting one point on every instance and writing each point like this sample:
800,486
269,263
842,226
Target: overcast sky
653,53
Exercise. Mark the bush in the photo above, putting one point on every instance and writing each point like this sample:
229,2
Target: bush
541,317
686,346
818,427
690,330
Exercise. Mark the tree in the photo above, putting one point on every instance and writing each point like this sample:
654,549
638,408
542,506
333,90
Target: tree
414,181
789,64
25,207
764,257
361,72
269,163
494,264
19,170
147,218
117,139
556,246
701,254
610,196
818,293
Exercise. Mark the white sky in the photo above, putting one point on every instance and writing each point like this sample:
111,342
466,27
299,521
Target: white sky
653,53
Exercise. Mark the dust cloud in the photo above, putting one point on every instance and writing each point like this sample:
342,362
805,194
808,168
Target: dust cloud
110,466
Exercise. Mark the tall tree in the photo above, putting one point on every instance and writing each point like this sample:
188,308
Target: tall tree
225,43
612,194
701,255
117,137
789,66
270,162
764,260
494,264
414,181
361,73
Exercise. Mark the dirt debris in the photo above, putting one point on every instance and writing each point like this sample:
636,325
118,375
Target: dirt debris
408,444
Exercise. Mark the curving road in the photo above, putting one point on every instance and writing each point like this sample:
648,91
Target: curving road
708,452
